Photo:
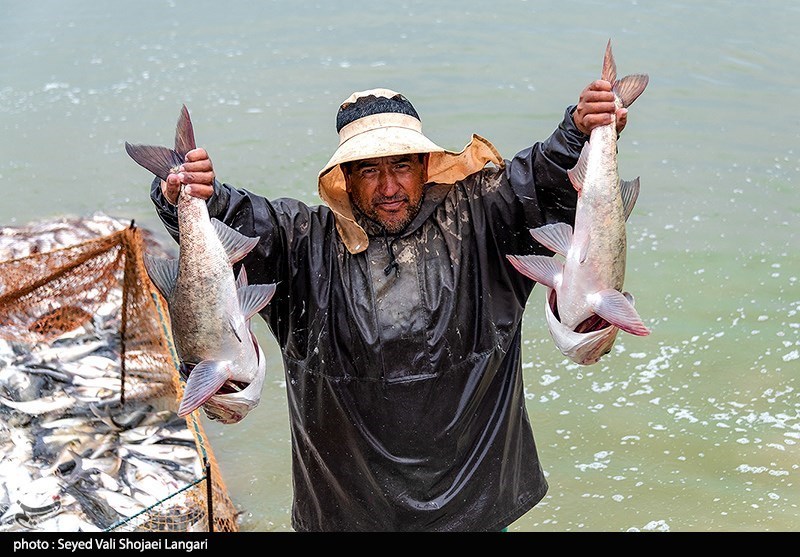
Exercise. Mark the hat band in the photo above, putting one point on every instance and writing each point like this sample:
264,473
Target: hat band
377,121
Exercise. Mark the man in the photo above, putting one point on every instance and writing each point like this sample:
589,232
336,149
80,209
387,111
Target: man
399,317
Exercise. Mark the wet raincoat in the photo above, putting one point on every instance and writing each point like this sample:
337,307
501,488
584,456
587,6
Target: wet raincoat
403,362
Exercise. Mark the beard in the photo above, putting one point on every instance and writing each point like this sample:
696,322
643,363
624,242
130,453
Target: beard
392,222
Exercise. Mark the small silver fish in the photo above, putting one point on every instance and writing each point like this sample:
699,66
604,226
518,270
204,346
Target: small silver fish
43,405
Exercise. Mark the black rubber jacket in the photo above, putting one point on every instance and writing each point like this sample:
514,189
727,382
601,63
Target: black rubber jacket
403,362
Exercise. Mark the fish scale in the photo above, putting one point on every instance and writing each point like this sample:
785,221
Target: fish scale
204,275
599,243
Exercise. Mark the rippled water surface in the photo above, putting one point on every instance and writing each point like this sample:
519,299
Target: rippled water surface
694,428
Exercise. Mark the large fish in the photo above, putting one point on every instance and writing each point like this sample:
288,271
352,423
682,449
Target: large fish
209,308
585,306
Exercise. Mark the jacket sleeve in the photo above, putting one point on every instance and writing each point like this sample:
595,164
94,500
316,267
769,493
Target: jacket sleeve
166,212
538,175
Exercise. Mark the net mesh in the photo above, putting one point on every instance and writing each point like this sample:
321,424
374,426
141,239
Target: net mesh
89,386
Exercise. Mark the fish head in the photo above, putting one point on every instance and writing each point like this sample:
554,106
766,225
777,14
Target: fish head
582,348
232,407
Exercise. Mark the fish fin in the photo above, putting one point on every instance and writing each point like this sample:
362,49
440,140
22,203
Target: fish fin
163,273
577,174
541,268
241,278
204,381
617,308
556,237
158,160
236,244
253,298
184,134
630,192
583,249
630,87
609,72
259,352
232,328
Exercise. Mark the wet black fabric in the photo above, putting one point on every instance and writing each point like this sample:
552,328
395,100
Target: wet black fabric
405,388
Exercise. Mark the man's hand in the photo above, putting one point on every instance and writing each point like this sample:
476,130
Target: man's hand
196,175
596,108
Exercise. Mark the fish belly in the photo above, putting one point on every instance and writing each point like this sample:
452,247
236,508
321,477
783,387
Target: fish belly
596,259
206,319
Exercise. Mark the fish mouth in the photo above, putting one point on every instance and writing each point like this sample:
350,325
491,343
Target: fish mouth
232,386
584,348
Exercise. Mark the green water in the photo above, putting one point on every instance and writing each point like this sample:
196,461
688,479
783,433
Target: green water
694,428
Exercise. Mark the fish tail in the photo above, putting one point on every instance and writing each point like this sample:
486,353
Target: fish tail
159,160
629,87
184,134
162,161
609,65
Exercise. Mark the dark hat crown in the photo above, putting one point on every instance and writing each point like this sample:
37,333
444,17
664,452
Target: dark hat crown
372,104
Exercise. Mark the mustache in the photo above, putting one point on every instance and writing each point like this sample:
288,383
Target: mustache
379,200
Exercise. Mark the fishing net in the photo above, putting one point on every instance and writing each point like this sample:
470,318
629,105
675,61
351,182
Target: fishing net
89,386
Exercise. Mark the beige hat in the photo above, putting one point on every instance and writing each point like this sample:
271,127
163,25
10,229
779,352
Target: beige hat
382,123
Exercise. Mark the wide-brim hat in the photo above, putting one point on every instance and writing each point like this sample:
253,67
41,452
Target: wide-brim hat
382,123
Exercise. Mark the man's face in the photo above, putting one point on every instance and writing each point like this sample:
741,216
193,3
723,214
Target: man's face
388,189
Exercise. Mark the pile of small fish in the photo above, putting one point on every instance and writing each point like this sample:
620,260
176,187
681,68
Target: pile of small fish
48,235
72,457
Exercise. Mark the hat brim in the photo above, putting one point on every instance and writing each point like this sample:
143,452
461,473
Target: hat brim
381,142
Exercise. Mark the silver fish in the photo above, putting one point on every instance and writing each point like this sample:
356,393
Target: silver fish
97,510
209,308
43,405
73,520
585,306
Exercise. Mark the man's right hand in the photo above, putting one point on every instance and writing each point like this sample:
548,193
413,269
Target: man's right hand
196,175
596,108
